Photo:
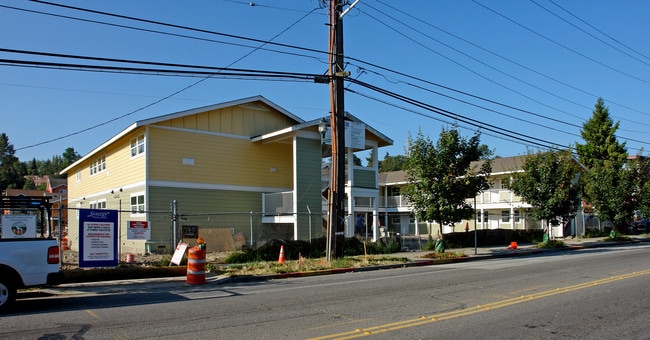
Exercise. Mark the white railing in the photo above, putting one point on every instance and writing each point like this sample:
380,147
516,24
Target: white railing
393,202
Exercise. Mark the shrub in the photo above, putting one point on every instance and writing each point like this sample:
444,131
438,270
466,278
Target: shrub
552,244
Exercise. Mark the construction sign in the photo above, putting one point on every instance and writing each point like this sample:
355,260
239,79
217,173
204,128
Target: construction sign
138,230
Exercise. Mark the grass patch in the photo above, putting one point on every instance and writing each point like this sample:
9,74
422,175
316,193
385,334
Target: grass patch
301,265
551,244
445,255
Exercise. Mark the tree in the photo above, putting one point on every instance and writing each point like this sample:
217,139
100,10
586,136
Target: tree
441,177
551,184
10,168
601,145
610,186
390,163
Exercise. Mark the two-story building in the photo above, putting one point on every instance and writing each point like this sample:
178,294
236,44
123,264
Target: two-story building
242,172
496,208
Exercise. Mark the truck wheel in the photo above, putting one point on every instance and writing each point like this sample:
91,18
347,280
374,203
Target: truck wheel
7,294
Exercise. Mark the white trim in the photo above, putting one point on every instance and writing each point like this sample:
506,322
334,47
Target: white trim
210,186
199,132
180,114
295,185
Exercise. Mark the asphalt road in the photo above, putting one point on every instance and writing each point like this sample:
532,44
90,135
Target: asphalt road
591,293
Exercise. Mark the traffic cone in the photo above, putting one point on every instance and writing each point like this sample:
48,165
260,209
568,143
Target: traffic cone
281,258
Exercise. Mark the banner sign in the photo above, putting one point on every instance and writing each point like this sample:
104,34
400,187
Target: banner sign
98,238
18,226
138,230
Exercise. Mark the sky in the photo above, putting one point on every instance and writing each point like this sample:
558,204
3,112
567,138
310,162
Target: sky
525,74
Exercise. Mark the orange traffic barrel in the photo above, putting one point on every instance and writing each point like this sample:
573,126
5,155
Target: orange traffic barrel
196,266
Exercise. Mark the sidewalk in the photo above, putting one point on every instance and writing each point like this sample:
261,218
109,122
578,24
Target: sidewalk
415,259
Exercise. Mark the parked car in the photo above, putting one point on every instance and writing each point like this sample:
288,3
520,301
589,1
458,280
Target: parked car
640,227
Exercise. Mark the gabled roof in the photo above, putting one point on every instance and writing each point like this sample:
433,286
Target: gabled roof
382,140
500,166
180,114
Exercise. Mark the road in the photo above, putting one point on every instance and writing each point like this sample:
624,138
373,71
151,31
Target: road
590,293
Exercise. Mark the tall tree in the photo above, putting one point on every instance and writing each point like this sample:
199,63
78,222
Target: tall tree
392,163
601,145
610,185
441,177
551,184
10,167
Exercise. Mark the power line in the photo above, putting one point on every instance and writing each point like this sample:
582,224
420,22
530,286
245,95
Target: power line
589,34
148,105
516,63
598,30
562,45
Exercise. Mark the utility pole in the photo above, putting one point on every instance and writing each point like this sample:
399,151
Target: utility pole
337,116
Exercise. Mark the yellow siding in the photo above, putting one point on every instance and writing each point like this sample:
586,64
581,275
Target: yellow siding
120,170
218,159
244,120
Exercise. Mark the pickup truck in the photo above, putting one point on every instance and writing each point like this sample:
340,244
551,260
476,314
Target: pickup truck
27,258
27,263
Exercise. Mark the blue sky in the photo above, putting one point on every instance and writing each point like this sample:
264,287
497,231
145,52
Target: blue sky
532,70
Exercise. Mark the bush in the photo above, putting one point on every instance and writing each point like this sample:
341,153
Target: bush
593,233
552,244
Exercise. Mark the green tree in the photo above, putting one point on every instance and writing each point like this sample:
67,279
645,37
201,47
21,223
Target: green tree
69,156
601,145
610,184
551,184
392,163
441,177
644,187
11,175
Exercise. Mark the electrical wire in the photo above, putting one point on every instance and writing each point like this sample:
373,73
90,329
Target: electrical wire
609,100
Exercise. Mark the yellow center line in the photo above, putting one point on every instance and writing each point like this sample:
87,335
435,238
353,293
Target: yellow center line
93,314
423,320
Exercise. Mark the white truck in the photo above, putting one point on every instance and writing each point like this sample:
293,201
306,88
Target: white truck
29,254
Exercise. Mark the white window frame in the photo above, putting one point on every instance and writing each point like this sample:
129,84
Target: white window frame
139,208
98,165
99,204
78,175
505,216
137,146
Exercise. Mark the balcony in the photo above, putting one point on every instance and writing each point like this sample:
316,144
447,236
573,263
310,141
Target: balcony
393,202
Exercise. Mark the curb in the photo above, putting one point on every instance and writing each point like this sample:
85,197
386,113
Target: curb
108,286
416,263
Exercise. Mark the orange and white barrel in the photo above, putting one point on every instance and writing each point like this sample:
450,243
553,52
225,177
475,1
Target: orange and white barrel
196,266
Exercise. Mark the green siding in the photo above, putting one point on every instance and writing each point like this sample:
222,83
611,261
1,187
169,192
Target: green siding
365,178
205,208
308,187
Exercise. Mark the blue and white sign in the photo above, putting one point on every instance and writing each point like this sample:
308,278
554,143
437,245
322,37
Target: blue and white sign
98,238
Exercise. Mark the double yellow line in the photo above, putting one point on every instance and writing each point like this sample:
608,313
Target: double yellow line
423,320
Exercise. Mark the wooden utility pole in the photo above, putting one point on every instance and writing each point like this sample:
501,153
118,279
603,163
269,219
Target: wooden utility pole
337,74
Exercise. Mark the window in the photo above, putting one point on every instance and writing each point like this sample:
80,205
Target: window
98,165
78,175
516,216
98,205
395,191
412,219
137,146
137,204
395,219
505,216
479,217
486,216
